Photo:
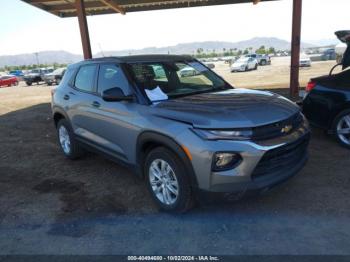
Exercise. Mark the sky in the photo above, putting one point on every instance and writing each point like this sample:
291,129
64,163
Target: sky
26,29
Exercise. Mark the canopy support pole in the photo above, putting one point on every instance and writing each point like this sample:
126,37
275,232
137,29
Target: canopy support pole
296,36
84,29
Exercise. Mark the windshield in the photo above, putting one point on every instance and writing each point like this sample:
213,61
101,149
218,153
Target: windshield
176,79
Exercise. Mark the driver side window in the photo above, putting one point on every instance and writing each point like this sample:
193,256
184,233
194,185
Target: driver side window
110,76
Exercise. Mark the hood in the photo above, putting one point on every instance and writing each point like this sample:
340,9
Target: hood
234,108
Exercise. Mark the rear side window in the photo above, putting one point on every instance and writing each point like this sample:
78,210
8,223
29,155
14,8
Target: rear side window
111,76
84,79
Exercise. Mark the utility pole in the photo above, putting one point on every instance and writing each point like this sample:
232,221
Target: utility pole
37,58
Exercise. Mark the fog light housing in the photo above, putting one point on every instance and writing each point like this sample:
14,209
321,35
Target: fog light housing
225,161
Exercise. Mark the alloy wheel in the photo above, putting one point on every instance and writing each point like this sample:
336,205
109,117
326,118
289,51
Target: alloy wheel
343,129
163,182
64,139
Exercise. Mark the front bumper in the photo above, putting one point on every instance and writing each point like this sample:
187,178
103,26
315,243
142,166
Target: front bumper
264,165
49,80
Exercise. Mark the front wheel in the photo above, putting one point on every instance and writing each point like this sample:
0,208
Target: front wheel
167,180
29,83
341,128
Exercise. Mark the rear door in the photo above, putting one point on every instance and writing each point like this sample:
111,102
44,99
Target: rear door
80,102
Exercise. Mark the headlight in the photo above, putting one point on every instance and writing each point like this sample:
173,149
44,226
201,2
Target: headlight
242,134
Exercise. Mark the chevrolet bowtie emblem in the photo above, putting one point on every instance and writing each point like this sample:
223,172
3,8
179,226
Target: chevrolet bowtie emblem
286,129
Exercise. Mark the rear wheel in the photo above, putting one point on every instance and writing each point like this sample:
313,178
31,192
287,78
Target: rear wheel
341,128
66,139
167,181
29,83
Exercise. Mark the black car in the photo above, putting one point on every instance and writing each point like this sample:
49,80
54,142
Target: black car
327,100
36,76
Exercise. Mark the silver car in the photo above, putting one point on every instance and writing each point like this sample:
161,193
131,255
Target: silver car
186,136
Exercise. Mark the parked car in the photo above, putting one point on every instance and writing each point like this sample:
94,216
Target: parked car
8,80
329,54
36,76
244,64
188,71
262,59
305,61
185,137
17,73
327,100
55,77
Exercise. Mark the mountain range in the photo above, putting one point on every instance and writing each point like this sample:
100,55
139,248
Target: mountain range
50,57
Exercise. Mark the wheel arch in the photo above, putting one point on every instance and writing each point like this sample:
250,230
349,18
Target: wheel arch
338,111
149,140
59,114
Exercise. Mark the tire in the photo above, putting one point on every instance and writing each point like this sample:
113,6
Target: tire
70,148
263,62
175,178
342,122
246,69
49,84
29,83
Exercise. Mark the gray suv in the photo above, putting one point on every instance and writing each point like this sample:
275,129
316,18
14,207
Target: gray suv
186,135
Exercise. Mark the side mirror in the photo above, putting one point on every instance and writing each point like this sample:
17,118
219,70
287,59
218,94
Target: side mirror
115,94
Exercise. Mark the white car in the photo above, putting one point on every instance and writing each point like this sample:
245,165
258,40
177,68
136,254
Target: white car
305,62
188,71
244,64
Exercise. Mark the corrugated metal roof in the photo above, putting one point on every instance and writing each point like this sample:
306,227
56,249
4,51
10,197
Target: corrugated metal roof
66,8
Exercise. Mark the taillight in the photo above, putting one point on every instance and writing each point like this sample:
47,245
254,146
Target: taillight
310,86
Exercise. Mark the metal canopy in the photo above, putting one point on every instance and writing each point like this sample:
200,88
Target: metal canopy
82,8
67,8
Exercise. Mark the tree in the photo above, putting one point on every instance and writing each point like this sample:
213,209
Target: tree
261,50
272,50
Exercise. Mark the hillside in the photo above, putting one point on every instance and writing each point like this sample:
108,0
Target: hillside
50,57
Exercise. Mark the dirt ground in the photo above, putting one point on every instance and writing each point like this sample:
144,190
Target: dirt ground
51,205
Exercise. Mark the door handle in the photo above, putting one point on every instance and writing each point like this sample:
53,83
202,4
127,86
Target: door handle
66,97
96,104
